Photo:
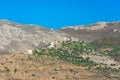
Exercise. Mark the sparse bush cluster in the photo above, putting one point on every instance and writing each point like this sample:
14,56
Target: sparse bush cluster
107,69
7,69
39,51
114,52
71,51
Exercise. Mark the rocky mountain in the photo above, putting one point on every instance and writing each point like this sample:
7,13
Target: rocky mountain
90,52
18,38
95,31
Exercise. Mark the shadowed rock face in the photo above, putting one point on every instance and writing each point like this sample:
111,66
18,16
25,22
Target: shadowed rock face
18,38
94,31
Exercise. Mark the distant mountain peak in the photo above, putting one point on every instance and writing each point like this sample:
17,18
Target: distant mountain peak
6,22
96,26
94,31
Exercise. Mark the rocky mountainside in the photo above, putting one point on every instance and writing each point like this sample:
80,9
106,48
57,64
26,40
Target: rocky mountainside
18,38
72,53
95,31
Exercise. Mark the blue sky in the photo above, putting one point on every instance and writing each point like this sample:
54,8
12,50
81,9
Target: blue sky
59,13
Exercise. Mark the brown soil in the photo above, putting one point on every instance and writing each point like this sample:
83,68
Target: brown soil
31,67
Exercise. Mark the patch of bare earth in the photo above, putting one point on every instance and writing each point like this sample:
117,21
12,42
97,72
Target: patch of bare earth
31,67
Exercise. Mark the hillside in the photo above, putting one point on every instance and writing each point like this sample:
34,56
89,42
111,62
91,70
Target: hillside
31,67
95,31
19,38
33,52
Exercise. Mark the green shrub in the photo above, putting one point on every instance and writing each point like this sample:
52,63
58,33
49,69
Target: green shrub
33,75
107,69
7,69
15,70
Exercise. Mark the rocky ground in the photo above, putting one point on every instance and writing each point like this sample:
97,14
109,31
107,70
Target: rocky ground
32,67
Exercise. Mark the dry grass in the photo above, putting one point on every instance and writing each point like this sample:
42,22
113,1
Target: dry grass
31,67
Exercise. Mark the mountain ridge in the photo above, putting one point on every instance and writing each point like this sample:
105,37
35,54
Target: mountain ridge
94,31
19,38
14,36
